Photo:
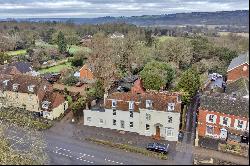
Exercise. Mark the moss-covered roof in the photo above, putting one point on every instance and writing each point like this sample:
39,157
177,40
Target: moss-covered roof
240,87
225,104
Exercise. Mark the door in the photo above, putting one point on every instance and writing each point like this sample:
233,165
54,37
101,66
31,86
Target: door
157,133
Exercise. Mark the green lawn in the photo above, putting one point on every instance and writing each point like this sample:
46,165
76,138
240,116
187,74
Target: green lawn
164,38
15,53
72,50
56,69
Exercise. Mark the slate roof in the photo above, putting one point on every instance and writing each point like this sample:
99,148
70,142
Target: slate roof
23,67
225,104
159,100
241,59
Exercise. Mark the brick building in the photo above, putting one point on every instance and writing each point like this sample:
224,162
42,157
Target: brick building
238,68
224,117
86,73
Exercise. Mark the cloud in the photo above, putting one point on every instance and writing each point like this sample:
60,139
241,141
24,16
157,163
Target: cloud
97,8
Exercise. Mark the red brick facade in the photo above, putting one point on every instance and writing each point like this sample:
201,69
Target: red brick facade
237,73
202,123
138,87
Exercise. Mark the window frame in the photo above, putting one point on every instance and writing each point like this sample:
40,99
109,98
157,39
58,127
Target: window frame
148,116
114,103
114,112
114,122
132,124
131,105
122,122
170,105
149,104
147,127
170,117
171,130
89,119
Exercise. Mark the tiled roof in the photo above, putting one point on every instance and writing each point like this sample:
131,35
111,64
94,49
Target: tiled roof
54,98
225,104
241,59
159,100
240,87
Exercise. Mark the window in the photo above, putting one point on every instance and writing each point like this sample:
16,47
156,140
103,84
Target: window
15,86
31,88
211,118
101,121
122,124
171,106
131,124
148,116
30,97
225,121
223,133
169,132
149,104
239,124
147,126
178,99
114,111
209,130
89,119
64,106
45,104
170,120
5,82
131,105
114,103
114,122
131,114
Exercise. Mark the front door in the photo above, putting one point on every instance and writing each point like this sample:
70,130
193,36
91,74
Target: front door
157,133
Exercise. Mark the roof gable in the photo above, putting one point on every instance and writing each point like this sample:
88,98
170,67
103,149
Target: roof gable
240,60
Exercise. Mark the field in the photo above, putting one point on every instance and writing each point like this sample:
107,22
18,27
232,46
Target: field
72,50
16,53
239,34
164,38
56,69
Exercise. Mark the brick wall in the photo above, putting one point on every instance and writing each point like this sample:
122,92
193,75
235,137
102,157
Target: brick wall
202,121
237,73
86,73
138,87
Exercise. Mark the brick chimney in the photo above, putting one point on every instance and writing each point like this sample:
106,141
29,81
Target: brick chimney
138,87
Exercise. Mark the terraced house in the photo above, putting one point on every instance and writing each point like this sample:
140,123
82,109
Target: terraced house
224,117
155,114
31,93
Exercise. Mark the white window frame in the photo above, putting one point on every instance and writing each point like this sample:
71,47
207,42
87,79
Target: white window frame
131,113
5,82
114,122
15,86
31,88
149,104
148,116
228,121
45,104
122,123
101,121
147,129
171,130
171,106
209,133
89,119
30,97
114,103
131,105
171,119
132,124
223,130
236,124
114,113
214,118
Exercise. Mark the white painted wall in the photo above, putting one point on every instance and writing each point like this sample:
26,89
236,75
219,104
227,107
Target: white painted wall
139,121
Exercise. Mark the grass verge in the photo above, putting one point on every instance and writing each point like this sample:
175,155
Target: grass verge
128,148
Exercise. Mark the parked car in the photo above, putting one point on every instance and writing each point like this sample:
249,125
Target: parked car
157,147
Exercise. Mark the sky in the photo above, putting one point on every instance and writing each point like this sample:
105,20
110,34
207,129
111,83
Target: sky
100,8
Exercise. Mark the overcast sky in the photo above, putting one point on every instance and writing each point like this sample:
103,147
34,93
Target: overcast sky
99,8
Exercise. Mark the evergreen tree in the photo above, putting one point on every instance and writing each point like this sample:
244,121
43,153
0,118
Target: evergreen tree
61,43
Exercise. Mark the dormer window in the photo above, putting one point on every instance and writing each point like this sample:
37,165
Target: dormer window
45,104
171,106
149,104
114,103
239,124
15,87
131,105
225,121
5,82
31,88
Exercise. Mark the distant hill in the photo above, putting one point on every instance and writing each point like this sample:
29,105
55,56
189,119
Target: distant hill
233,18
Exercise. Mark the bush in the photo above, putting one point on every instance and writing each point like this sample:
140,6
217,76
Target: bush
71,80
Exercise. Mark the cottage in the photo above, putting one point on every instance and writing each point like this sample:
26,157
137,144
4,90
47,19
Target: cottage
24,91
155,114
86,73
224,117
238,68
